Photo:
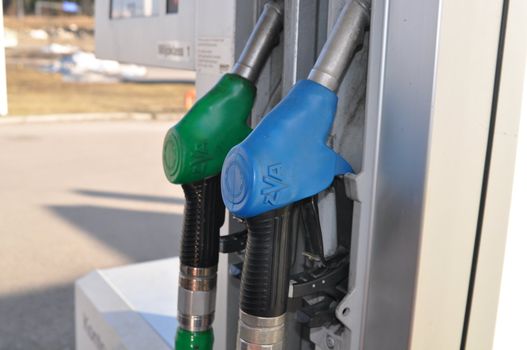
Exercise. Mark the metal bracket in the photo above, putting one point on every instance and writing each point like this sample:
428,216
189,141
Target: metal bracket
353,182
321,289
234,242
318,311
328,338
321,280
344,310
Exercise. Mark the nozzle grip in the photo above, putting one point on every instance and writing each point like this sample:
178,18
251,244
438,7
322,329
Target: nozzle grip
204,215
265,275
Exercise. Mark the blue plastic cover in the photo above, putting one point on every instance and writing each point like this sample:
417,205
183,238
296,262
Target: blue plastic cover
285,159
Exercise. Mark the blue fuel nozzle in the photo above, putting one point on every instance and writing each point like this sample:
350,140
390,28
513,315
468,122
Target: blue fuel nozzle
285,159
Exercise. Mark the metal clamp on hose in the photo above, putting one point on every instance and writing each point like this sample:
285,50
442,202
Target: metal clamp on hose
197,298
261,332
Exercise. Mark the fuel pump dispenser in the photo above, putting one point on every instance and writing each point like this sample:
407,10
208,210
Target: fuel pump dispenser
279,167
395,152
193,154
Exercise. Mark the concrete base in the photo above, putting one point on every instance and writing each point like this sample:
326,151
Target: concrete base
134,307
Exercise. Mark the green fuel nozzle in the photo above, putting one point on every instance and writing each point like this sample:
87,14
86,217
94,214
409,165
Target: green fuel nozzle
194,149
193,153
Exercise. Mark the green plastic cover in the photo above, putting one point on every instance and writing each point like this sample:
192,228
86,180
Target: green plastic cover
186,340
194,148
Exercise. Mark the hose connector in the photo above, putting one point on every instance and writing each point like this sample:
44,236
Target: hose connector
197,298
260,333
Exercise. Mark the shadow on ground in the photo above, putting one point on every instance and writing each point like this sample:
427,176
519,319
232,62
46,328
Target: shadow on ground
140,235
38,320
44,319
130,196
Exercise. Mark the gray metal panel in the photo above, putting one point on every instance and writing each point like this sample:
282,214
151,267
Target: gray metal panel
300,31
387,224
406,106
405,187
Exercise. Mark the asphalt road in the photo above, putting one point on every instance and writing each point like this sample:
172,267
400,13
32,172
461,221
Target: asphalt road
76,197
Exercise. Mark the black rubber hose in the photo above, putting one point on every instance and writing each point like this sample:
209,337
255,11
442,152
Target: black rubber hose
265,275
204,215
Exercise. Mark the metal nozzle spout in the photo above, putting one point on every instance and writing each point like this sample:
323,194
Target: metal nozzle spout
346,36
263,39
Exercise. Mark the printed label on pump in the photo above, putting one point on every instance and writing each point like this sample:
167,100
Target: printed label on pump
134,8
214,55
178,51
